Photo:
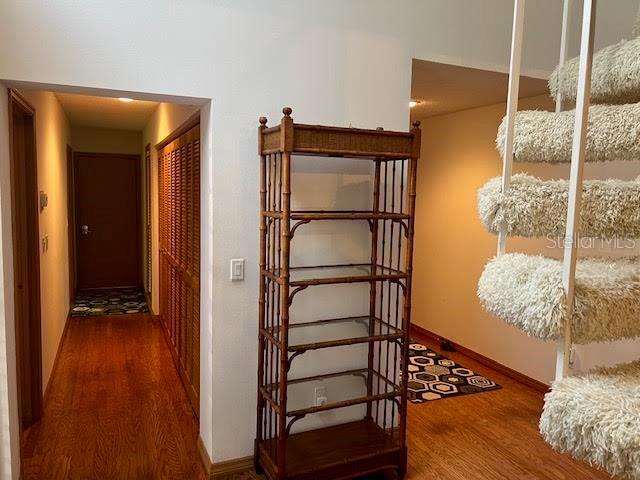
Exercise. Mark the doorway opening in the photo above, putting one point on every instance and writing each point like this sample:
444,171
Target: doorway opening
109,210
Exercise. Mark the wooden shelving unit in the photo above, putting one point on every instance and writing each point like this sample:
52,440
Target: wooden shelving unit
377,442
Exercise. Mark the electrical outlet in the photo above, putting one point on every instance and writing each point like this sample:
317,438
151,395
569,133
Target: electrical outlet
573,357
237,269
320,394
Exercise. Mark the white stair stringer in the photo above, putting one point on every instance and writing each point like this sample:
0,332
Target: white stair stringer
546,137
538,208
596,418
526,292
615,78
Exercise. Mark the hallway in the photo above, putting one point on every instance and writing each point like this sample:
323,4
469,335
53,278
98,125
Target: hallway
115,407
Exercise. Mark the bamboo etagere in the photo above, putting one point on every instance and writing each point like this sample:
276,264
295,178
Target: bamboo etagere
376,442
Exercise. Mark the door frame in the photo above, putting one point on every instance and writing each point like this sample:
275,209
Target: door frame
138,229
71,225
148,267
26,248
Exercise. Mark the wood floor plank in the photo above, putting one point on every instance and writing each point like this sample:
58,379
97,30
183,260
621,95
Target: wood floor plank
116,408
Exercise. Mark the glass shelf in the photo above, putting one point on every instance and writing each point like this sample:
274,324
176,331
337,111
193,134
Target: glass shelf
353,273
345,215
337,332
308,215
344,389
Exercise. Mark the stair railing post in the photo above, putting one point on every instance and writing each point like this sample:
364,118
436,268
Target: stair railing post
564,41
512,108
583,100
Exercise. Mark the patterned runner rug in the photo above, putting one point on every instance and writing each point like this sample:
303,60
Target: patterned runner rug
115,301
433,377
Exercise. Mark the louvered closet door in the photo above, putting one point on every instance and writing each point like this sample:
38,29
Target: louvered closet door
179,212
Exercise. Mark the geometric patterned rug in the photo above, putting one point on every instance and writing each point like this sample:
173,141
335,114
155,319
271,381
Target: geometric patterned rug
433,377
115,301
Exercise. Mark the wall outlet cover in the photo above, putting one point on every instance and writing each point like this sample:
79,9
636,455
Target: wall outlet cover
320,396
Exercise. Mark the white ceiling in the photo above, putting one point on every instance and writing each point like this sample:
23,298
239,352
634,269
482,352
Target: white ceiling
105,112
448,88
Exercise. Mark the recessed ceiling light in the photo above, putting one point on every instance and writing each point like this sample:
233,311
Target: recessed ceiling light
414,103
125,99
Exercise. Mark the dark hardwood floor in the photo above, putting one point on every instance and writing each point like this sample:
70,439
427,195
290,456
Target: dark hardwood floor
489,435
485,436
115,409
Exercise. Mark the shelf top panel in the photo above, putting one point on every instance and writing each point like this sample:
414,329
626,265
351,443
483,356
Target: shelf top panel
331,274
320,140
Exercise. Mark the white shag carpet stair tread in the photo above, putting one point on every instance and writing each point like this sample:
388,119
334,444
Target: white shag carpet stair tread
526,291
596,417
541,136
538,208
615,77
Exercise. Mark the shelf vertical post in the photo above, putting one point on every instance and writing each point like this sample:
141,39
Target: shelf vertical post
578,151
412,172
262,286
512,109
373,285
286,146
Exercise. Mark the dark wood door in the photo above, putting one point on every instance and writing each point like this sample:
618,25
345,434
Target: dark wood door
179,214
107,220
26,259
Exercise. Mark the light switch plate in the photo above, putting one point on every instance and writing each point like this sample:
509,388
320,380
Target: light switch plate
44,199
237,269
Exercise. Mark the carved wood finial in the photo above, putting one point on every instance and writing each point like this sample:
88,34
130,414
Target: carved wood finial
287,111
263,121
416,124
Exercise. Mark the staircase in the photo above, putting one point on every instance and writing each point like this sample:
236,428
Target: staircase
593,416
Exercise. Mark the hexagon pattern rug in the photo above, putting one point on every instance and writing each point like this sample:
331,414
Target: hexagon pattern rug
115,301
433,377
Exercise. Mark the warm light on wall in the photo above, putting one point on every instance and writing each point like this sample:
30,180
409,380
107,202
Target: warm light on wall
414,103
125,99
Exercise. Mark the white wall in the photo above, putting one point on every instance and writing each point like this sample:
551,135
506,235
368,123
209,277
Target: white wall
9,433
334,62
105,140
452,246
52,138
